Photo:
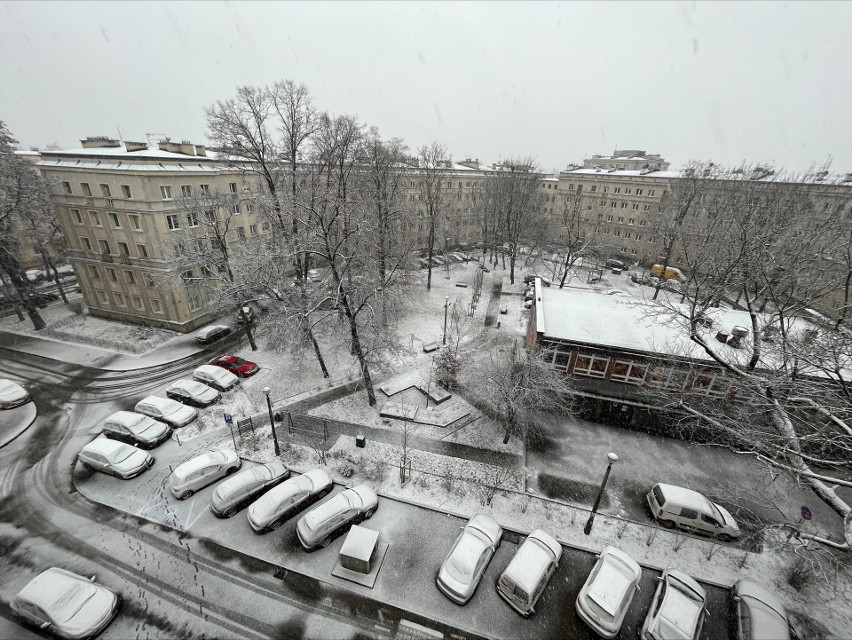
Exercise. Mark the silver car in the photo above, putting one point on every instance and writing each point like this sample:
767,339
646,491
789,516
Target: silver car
677,610
760,614
606,596
12,394
114,458
468,559
322,523
236,492
215,377
201,471
134,428
171,412
268,512
193,393
66,604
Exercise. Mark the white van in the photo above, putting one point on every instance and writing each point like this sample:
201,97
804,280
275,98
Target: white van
524,580
675,506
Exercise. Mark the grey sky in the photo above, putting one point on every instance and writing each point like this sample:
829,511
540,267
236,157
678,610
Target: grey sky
724,81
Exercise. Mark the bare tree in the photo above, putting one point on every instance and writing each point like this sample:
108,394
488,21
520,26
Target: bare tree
432,164
23,197
582,230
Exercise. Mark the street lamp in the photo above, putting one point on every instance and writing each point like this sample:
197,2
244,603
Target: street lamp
446,306
267,391
612,460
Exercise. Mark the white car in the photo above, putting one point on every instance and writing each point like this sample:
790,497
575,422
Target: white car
269,512
12,394
114,458
606,596
466,563
212,333
171,412
326,520
760,614
201,471
193,393
215,377
66,604
134,428
677,610
238,491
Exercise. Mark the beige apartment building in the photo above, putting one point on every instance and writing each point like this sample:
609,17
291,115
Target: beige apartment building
123,210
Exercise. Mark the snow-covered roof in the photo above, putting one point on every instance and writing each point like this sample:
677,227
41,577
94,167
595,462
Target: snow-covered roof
815,178
632,173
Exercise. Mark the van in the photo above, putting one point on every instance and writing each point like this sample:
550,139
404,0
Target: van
616,264
687,509
672,273
524,580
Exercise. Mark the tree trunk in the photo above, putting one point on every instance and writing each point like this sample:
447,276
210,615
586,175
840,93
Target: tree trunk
9,263
359,351
50,267
318,353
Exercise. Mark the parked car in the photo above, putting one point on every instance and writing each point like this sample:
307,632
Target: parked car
202,470
215,377
530,279
675,506
212,333
136,429
325,521
171,412
606,596
236,365
760,614
677,610
238,491
66,604
524,579
616,264
12,394
269,512
114,458
193,393
465,565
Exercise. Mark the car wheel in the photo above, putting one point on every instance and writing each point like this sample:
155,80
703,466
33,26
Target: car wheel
275,525
369,514
231,471
724,537
230,513
668,524
87,466
325,542
186,494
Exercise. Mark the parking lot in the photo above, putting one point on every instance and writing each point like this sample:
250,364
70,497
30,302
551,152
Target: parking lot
419,540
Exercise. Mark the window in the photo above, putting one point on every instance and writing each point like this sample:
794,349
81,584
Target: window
593,366
631,220
66,188
685,512
627,191
205,189
142,250
638,236
149,280
119,299
166,192
630,372
185,191
594,187
633,252
609,218
623,249
134,222
613,204
665,378
78,219
241,233
113,216
652,239
635,207
125,191
105,190
711,521
620,219
194,302
235,208
86,244
210,214
94,274
157,306
113,277
638,192
249,208
618,189
137,303
173,221
95,217
129,277
646,207
103,296
192,219
651,192
602,203
87,191
104,246
606,189
617,233
186,276
627,235
623,205
253,229
232,187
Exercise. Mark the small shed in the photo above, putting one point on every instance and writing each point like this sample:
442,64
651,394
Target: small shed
359,549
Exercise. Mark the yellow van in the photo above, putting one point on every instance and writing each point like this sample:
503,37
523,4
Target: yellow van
672,273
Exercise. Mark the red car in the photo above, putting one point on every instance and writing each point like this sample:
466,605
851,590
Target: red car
236,365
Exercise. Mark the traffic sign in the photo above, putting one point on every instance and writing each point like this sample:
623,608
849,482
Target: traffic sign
229,419
806,513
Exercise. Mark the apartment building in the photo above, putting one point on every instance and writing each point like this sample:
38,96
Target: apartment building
127,210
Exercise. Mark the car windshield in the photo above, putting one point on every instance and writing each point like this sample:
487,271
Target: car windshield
238,362
71,600
462,563
122,454
681,608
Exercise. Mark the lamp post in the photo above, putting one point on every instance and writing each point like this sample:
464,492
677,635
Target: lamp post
267,391
612,460
446,306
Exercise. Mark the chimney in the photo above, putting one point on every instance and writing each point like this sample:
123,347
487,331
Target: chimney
97,142
200,150
172,147
135,146
187,148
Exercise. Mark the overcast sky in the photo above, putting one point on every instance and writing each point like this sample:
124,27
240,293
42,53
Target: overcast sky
728,81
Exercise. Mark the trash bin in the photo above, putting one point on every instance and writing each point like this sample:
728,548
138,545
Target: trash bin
360,441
